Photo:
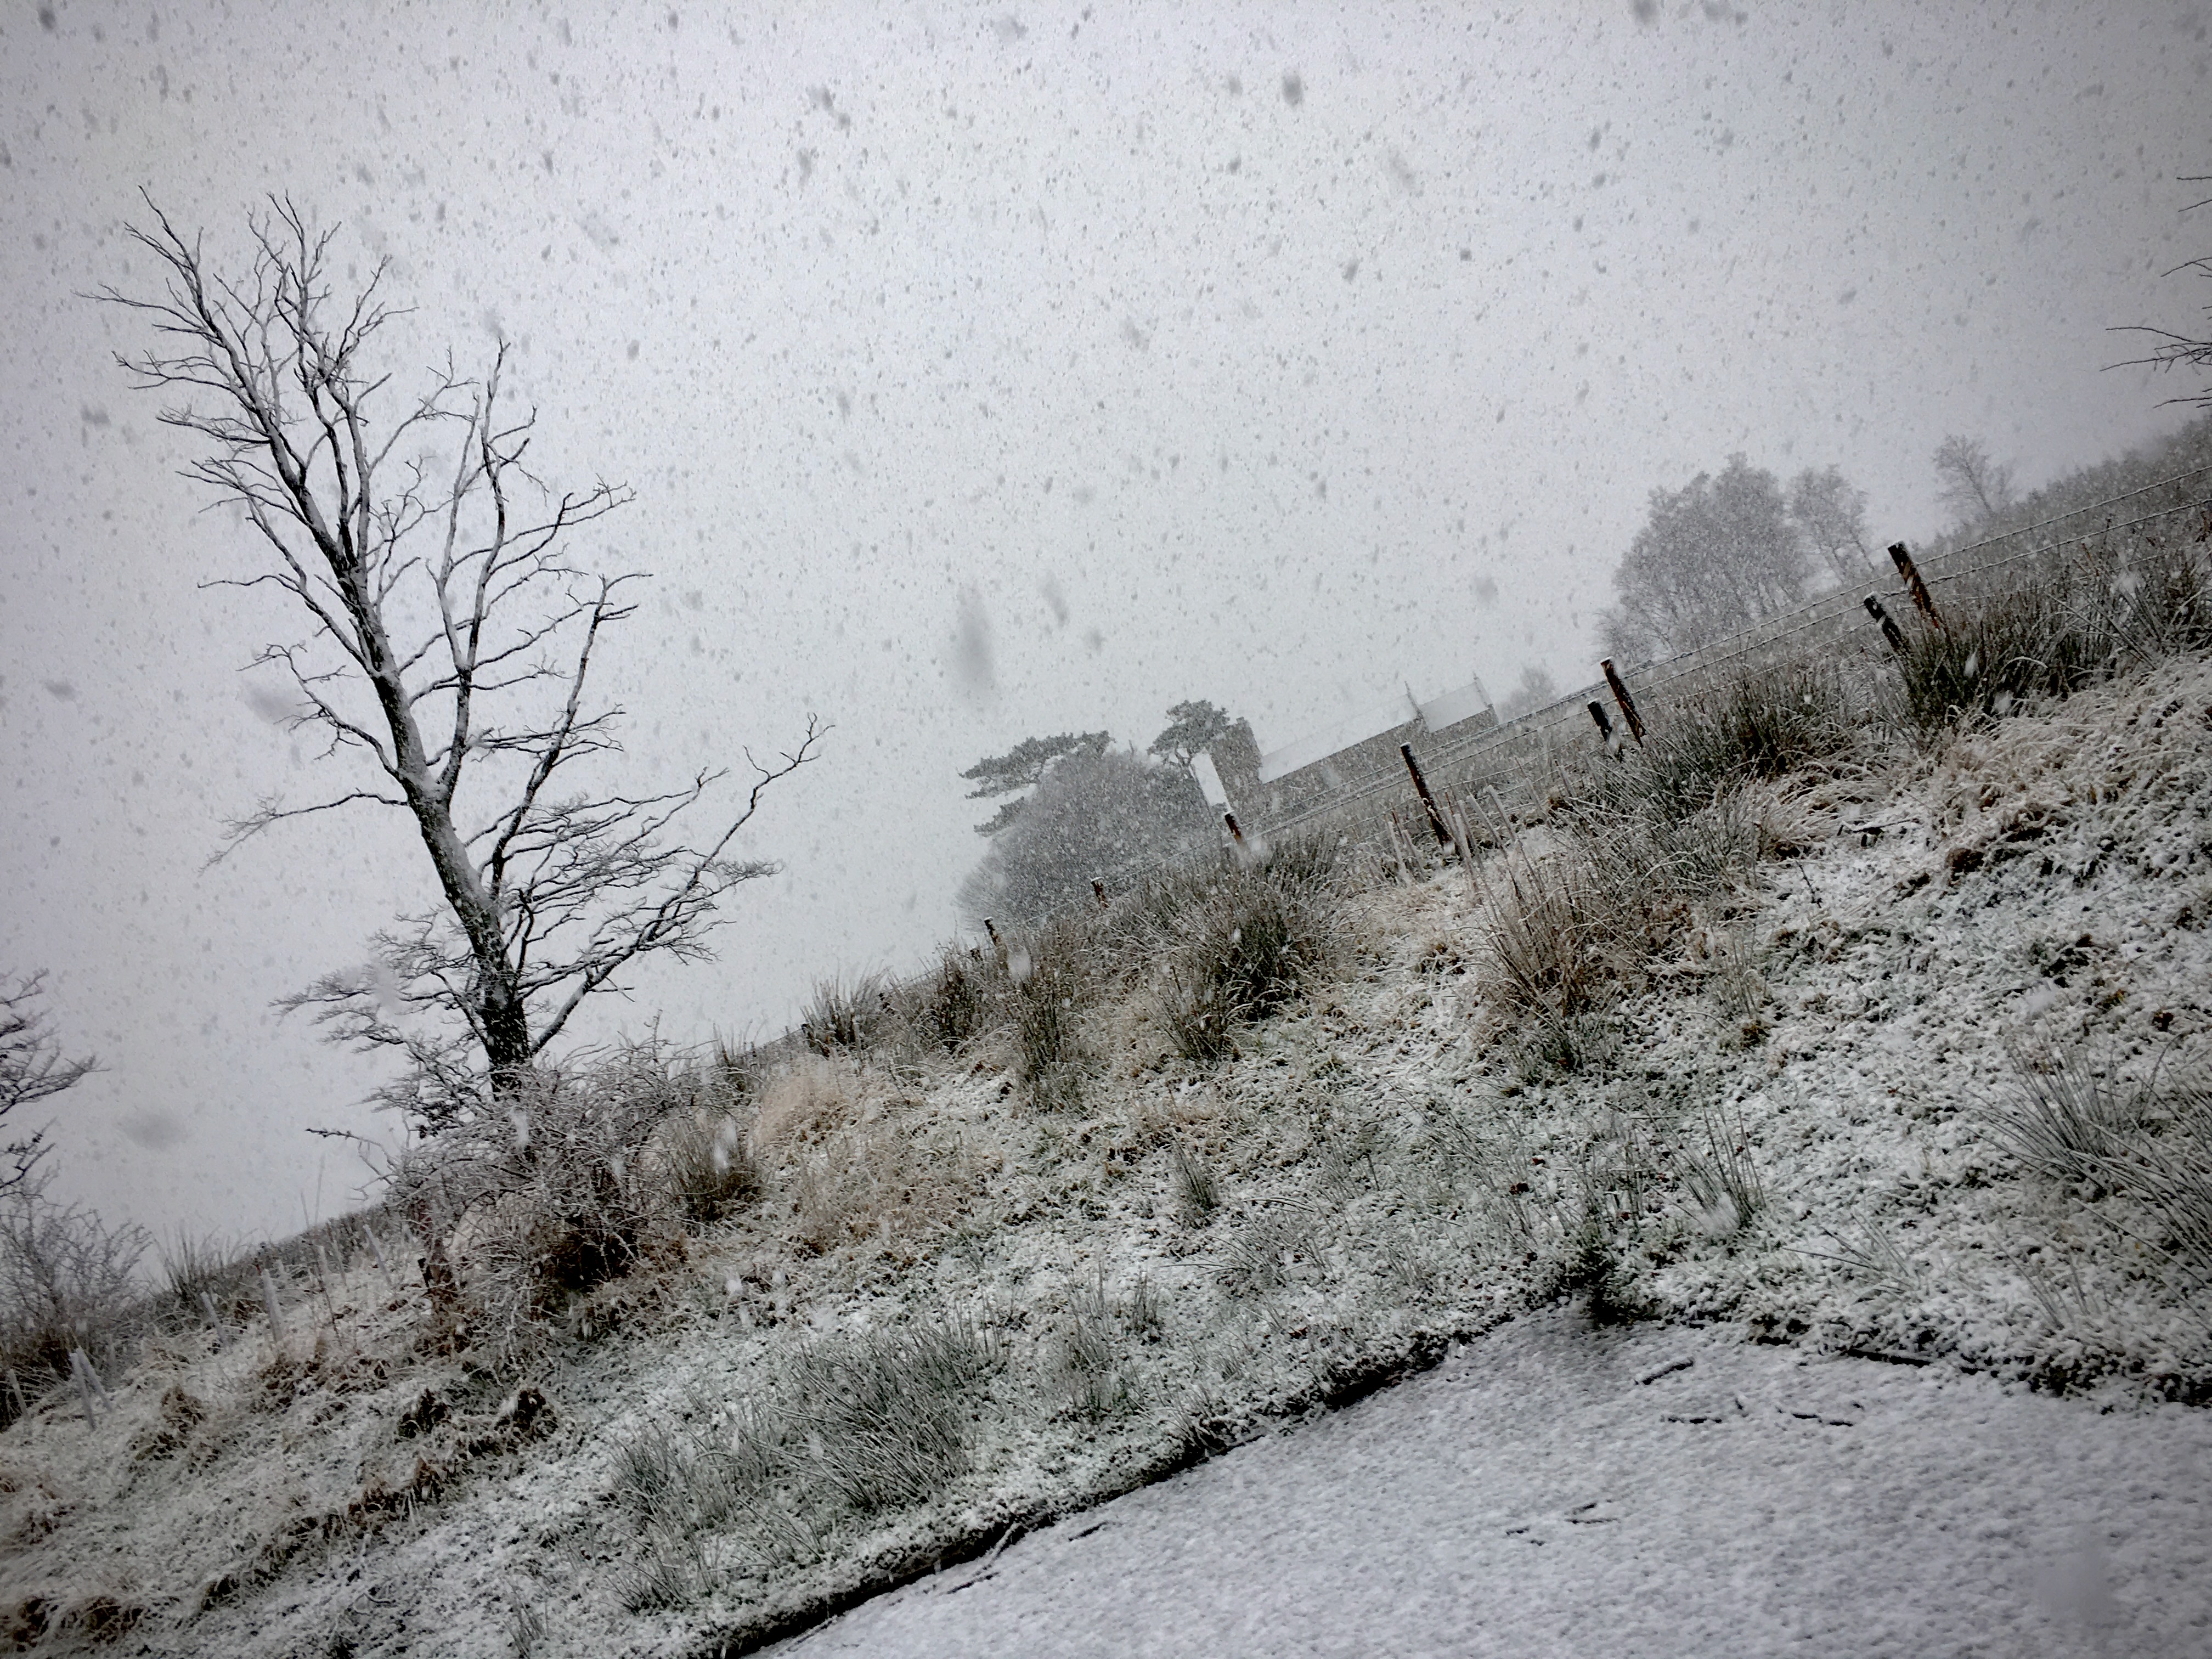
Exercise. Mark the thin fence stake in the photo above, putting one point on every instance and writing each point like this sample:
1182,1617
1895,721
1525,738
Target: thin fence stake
1890,630
1902,558
1627,703
275,1313
81,1373
207,1305
15,1388
376,1249
1428,801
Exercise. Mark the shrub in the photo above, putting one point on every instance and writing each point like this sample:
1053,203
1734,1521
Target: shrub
2073,1127
65,1283
845,1017
1761,722
2062,625
589,1170
1240,947
952,1006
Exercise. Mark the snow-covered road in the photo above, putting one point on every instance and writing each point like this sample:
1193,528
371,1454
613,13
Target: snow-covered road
1552,1490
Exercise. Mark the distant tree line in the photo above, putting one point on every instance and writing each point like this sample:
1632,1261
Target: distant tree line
1727,550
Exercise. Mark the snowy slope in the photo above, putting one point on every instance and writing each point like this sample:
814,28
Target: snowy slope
1390,1177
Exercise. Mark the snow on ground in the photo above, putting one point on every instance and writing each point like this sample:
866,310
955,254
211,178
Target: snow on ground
1552,1490
1391,1173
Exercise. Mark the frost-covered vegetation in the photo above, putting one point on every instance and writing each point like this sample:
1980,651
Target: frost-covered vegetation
1863,1006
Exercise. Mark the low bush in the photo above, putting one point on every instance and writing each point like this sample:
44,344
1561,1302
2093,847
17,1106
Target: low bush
66,1282
1237,948
2058,625
2091,1133
953,1003
591,1168
844,1016
1762,721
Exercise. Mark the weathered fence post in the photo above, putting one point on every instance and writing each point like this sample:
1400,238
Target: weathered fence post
1627,703
1903,559
1604,722
1890,630
1428,801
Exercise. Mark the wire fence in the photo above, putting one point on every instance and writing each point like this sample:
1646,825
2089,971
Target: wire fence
1507,759
1376,807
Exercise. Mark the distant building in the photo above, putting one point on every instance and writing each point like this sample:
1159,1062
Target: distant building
1362,750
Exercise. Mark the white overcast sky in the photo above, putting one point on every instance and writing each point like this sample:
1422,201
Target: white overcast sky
1276,355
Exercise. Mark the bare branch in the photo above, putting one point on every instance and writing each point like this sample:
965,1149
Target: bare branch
32,1069
443,595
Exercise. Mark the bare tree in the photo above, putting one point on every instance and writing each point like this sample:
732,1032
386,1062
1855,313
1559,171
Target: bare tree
437,581
32,1069
2182,351
1714,556
1536,689
1830,512
1974,487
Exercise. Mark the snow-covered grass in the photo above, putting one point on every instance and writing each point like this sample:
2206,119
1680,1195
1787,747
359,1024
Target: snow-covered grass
1897,1048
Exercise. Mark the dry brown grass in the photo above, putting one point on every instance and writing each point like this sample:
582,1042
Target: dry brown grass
878,1181
807,1102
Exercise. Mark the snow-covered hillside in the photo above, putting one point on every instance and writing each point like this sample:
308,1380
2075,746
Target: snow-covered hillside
953,1314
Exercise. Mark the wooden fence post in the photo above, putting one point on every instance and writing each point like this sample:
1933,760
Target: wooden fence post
1903,559
1627,703
1890,630
1428,801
